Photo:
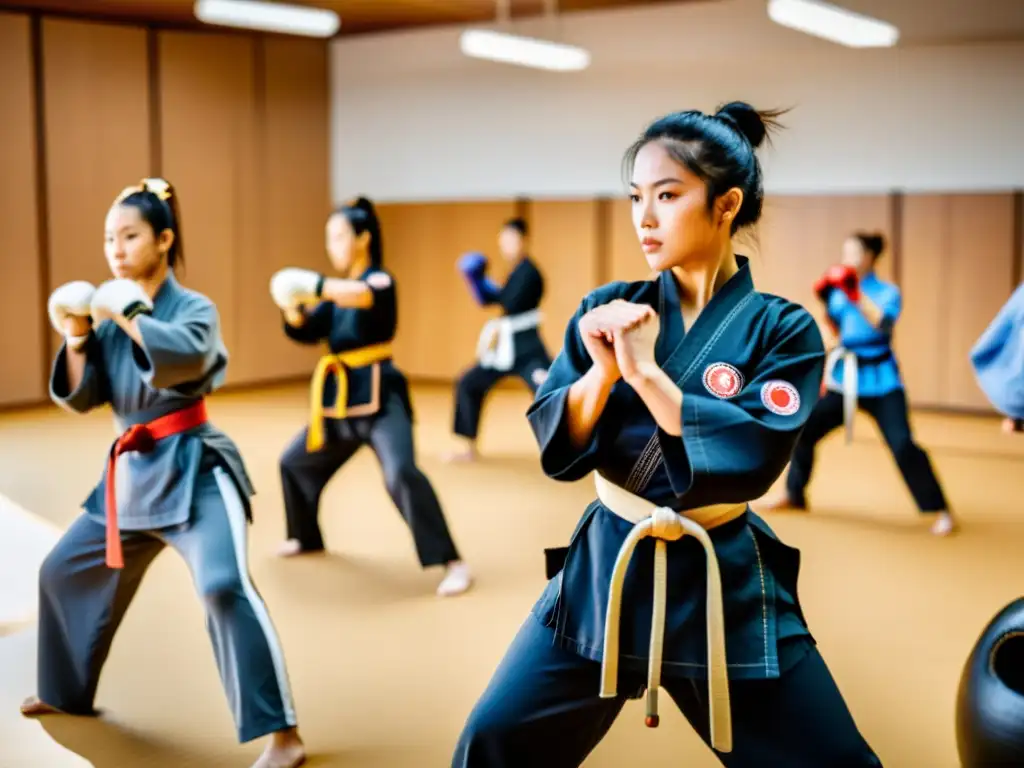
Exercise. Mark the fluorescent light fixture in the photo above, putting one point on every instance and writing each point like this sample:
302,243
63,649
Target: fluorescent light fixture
268,17
833,23
523,51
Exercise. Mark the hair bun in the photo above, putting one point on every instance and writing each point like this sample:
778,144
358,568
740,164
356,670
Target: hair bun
362,203
745,119
876,242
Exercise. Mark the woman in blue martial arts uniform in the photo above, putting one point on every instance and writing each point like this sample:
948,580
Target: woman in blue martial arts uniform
998,362
861,372
685,395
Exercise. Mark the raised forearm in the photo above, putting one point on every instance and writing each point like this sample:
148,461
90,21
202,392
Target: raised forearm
870,310
75,367
585,404
661,395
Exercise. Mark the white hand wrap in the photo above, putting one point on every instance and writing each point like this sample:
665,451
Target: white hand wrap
120,301
70,300
291,287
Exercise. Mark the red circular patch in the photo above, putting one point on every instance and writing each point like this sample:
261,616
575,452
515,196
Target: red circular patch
780,397
723,380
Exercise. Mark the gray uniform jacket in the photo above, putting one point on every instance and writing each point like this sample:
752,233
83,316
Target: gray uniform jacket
182,359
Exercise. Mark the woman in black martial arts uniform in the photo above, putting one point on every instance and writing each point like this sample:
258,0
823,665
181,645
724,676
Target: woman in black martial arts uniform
509,344
358,395
685,395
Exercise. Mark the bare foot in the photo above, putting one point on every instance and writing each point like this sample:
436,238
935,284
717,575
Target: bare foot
466,455
289,548
285,750
33,707
457,579
780,503
1007,426
944,524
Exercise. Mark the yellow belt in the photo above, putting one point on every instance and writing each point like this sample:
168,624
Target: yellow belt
340,364
668,525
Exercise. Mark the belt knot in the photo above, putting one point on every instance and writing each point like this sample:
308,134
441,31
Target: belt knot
666,524
138,437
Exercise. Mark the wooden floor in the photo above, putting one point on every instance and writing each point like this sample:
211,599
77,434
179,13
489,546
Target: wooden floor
384,673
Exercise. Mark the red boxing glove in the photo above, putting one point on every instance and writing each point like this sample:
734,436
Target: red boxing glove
842,277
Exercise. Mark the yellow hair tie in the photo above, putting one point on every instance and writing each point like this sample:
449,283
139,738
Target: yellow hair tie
158,187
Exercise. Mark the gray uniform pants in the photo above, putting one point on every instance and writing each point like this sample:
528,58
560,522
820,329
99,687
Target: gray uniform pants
82,602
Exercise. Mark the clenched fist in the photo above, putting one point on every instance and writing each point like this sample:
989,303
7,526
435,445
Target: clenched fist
620,337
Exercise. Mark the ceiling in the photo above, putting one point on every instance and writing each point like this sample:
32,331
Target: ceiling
357,16
921,22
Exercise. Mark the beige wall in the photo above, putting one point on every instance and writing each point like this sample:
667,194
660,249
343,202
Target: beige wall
240,122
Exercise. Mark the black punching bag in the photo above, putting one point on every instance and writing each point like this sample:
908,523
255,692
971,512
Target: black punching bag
990,701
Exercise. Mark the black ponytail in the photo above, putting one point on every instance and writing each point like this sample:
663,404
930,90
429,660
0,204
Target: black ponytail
362,217
157,203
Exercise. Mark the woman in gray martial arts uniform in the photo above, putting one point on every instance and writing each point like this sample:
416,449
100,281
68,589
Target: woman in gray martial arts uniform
152,350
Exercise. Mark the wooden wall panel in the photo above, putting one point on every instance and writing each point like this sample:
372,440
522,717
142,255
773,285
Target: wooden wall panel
208,137
414,252
96,87
625,258
980,271
958,269
293,202
24,356
564,243
920,339
438,320
799,237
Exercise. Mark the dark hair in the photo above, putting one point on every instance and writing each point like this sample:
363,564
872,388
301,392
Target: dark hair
872,243
518,224
362,217
157,204
719,149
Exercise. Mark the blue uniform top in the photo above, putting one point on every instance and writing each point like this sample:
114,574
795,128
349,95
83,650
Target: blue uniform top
877,371
750,370
998,358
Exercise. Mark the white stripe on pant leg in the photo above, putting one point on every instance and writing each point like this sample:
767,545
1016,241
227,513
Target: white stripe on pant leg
237,521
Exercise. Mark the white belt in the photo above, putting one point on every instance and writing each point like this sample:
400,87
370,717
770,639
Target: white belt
849,385
496,346
665,525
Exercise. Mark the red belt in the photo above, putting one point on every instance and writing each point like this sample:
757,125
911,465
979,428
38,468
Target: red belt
142,438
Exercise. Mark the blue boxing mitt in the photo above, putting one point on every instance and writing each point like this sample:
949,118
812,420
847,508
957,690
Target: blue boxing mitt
473,266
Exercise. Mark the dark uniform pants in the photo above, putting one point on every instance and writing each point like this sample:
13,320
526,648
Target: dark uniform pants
474,385
542,710
304,476
82,603
890,413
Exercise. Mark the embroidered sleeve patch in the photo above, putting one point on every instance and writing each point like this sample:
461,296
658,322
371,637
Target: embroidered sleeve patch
378,280
723,380
780,397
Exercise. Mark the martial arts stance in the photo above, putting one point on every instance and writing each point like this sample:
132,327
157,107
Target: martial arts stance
358,395
509,344
152,349
684,395
998,362
861,372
